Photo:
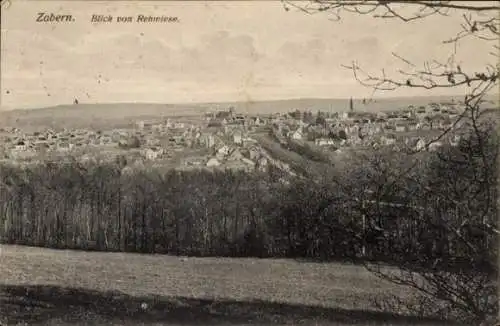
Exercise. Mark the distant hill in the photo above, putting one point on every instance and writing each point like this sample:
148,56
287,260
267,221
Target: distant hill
335,105
116,114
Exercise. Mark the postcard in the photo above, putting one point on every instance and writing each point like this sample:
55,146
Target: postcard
284,162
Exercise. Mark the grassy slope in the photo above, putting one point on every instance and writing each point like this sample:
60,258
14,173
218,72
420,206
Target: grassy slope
43,286
297,162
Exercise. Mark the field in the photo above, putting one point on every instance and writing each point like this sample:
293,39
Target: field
62,287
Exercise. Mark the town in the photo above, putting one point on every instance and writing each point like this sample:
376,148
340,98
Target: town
228,139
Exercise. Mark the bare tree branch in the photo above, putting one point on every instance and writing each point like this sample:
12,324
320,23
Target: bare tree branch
451,213
423,8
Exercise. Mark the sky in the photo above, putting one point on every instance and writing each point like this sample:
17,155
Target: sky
217,51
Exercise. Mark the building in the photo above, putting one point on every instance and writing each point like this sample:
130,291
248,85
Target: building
324,141
253,153
21,146
416,143
455,140
258,121
235,156
213,162
224,150
298,134
153,153
262,164
434,146
400,128
64,146
179,125
237,137
208,140
388,139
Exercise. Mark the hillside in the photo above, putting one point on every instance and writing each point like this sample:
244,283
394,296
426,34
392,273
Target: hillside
92,115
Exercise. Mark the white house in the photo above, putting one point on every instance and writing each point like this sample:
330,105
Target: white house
249,140
213,162
455,140
259,122
400,128
169,124
224,150
423,126
351,129
208,140
324,141
253,153
153,153
235,156
21,146
435,146
420,144
416,144
179,125
237,137
388,139
65,146
262,164
298,134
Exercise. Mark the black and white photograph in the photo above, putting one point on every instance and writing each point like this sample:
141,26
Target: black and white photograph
279,162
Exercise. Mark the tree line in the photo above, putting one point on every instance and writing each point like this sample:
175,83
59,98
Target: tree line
231,213
106,207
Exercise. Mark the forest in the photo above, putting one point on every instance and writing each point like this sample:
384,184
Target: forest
229,213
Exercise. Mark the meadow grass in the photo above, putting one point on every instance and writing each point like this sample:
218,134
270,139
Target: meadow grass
41,286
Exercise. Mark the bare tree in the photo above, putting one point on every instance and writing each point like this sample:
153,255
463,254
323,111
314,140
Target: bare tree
480,21
449,210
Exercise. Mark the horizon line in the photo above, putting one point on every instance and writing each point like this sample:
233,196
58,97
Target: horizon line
370,99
